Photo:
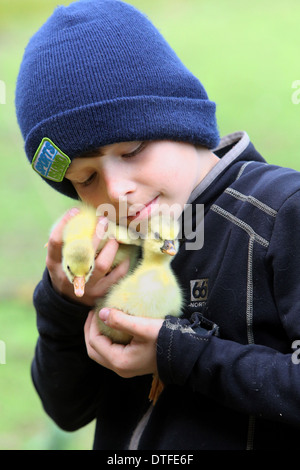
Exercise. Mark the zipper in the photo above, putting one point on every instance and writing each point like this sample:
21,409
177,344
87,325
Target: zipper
251,429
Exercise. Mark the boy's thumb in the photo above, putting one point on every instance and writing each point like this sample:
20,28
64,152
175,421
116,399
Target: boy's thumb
133,325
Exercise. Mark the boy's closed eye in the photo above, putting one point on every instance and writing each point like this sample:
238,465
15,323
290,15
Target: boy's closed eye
141,146
136,151
89,180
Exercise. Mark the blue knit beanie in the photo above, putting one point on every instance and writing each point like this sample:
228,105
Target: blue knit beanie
96,73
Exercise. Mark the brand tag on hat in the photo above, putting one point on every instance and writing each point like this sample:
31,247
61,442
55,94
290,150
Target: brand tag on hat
50,162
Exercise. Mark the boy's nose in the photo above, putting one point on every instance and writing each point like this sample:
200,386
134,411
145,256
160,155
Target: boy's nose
118,184
118,189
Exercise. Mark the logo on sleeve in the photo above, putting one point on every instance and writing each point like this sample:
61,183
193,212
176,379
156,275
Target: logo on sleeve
198,291
50,162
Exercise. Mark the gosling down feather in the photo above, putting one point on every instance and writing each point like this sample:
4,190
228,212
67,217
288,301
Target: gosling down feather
151,290
78,253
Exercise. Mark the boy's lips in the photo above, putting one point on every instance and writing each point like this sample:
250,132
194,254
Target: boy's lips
141,210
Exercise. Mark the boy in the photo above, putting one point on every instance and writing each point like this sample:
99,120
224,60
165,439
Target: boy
108,112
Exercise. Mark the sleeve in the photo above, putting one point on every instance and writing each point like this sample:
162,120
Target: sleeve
254,379
68,382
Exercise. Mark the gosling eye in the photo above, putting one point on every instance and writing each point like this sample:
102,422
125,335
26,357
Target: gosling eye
70,271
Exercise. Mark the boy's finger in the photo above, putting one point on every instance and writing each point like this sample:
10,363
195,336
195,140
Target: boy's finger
119,271
96,342
105,282
146,328
101,228
56,236
87,323
106,256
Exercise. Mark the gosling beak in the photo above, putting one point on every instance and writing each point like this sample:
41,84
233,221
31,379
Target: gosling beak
169,247
79,284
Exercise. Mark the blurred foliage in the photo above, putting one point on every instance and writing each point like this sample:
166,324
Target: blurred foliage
245,54
23,423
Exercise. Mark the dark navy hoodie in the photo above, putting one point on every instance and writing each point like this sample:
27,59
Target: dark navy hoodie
230,363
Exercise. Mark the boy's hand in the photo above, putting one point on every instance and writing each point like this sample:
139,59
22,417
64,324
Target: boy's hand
136,358
99,282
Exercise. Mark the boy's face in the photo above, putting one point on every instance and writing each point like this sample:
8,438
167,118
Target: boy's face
137,178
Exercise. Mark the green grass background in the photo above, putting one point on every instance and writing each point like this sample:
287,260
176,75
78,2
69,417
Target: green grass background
246,55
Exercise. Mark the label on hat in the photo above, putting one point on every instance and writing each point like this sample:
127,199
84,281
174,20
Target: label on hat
50,162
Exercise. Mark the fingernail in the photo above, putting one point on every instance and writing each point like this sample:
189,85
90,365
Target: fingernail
103,314
101,227
102,223
103,220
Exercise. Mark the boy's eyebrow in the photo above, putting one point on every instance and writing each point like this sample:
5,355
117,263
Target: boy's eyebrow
89,154
98,152
69,174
